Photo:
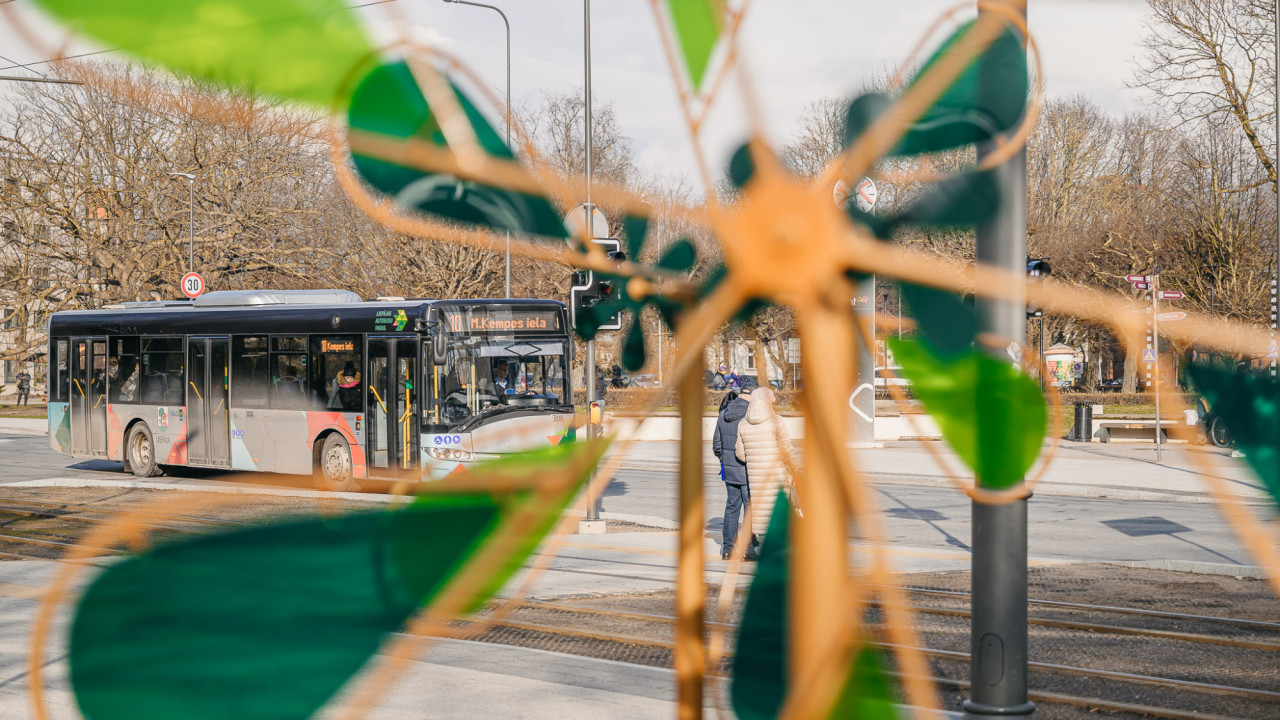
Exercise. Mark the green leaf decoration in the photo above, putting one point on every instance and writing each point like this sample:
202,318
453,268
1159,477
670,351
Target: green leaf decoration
388,102
680,256
991,414
271,621
963,200
634,230
633,352
1249,404
867,695
697,26
304,50
987,99
948,326
759,670
741,166
880,226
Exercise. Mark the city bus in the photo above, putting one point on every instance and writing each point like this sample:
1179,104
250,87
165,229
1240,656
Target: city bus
311,382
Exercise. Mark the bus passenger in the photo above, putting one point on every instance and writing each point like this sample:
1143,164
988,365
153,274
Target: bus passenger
348,386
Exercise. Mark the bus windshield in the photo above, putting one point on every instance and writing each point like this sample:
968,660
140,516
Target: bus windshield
485,375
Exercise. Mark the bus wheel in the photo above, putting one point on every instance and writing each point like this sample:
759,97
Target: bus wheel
334,470
141,451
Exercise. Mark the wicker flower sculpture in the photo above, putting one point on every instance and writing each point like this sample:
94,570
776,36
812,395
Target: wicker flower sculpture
274,620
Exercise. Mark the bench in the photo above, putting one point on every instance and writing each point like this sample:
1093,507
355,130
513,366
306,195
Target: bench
1132,431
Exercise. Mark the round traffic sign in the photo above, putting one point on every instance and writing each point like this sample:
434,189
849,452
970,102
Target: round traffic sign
577,218
865,194
192,284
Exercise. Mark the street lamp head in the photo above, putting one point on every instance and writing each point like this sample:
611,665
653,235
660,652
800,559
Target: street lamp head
188,176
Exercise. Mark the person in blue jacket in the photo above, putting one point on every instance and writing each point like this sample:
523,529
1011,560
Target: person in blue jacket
733,470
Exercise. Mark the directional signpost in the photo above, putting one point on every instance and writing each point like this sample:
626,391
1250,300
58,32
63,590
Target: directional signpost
1151,354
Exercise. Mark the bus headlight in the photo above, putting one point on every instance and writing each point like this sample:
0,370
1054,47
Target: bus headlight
448,454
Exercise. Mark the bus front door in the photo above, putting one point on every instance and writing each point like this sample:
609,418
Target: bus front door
393,429
80,377
208,442
88,397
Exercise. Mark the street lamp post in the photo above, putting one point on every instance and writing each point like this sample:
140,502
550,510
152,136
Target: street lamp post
191,218
508,27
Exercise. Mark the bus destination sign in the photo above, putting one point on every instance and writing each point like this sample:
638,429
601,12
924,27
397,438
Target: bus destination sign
482,321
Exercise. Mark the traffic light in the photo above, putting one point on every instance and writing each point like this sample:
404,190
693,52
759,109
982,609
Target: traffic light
1037,269
589,289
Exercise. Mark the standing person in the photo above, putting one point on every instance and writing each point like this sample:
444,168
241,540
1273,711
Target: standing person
616,380
732,470
24,386
765,446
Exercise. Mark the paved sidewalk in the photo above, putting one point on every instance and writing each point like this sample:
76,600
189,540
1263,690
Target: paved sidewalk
23,426
1127,471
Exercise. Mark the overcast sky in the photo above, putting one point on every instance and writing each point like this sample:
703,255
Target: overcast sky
799,51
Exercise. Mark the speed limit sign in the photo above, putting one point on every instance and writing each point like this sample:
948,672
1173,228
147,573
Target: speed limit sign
192,284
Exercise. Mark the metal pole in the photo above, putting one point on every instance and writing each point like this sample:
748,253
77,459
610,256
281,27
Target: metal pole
586,25
593,512
508,27
1040,372
191,225
1155,344
659,352
1275,279
998,630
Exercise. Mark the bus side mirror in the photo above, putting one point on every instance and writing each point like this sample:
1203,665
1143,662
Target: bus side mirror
439,347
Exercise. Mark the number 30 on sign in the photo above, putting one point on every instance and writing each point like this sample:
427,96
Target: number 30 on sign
192,285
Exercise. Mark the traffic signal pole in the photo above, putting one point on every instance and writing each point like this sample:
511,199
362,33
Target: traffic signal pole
592,524
998,629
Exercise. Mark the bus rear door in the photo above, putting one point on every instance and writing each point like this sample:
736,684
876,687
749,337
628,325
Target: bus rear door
393,429
208,439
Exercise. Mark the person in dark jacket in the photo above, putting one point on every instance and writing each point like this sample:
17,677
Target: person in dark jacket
738,492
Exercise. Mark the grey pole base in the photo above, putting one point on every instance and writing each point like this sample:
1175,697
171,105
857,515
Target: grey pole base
973,710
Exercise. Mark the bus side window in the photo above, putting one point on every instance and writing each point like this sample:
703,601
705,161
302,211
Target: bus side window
336,379
163,379
60,382
250,381
124,370
289,373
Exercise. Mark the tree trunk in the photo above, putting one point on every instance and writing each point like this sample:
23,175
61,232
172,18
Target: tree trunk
1130,373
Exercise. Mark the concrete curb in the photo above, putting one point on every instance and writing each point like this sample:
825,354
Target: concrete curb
645,520
192,487
652,521
1199,568
4,431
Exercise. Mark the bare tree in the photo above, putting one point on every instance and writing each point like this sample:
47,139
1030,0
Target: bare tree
1212,60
